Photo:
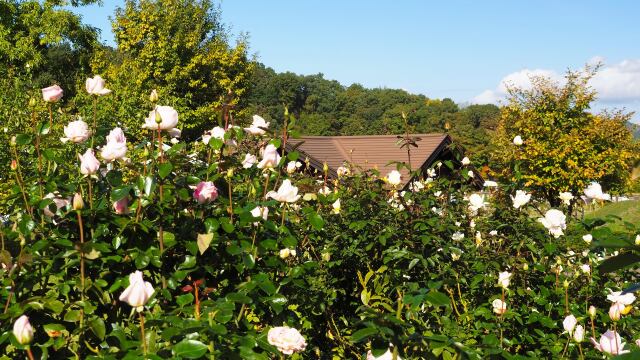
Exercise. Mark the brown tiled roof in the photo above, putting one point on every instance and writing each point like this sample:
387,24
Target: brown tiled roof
368,151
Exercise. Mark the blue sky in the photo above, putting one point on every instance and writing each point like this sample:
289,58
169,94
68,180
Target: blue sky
458,49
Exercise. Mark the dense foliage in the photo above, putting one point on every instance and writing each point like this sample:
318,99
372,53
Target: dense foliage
353,264
567,145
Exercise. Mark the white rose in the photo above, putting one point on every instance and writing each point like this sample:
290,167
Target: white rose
76,132
286,193
95,86
168,118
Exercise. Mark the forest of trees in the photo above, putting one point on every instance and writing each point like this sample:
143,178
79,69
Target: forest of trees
326,107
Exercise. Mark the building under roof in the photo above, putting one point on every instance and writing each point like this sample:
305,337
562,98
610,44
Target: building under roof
372,151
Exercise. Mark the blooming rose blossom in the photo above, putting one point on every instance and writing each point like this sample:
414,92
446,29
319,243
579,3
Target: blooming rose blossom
138,292
258,126
624,299
205,192
95,86
594,191
490,183
287,340
431,172
22,330
566,197
518,140
343,171
457,236
520,199
465,161
587,238
76,132
585,268
499,306
121,206
249,161
270,157
569,323
286,252
504,279
286,193
52,93
89,165
394,177
168,118
610,343
416,186
476,202
260,212
555,221
116,147
470,173
292,166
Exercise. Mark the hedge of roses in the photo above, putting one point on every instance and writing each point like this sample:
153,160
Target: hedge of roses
227,248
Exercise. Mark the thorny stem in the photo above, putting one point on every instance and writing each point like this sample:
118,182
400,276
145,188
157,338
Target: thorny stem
230,201
50,117
29,353
90,193
161,191
195,285
593,329
81,230
21,182
142,337
95,115
266,185
33,117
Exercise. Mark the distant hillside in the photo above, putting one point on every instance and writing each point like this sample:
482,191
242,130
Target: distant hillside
326,107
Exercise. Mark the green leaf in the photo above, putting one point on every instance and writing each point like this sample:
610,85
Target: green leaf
43,128
72,316
618,262
185,299
120,193
97,326
164,169
363,334
437,298
23,139
189,349
315,220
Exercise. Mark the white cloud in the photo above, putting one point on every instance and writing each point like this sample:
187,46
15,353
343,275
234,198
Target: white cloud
616,84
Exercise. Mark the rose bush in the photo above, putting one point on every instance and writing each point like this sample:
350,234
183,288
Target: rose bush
176,250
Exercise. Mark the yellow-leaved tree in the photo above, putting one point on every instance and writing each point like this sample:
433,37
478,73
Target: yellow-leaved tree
565,145
181,49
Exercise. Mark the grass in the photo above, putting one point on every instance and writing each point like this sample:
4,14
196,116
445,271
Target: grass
629,211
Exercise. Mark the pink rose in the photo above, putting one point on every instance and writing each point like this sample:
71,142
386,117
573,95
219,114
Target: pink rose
287,340
205,192
89,165
121,206
58,201
52,93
